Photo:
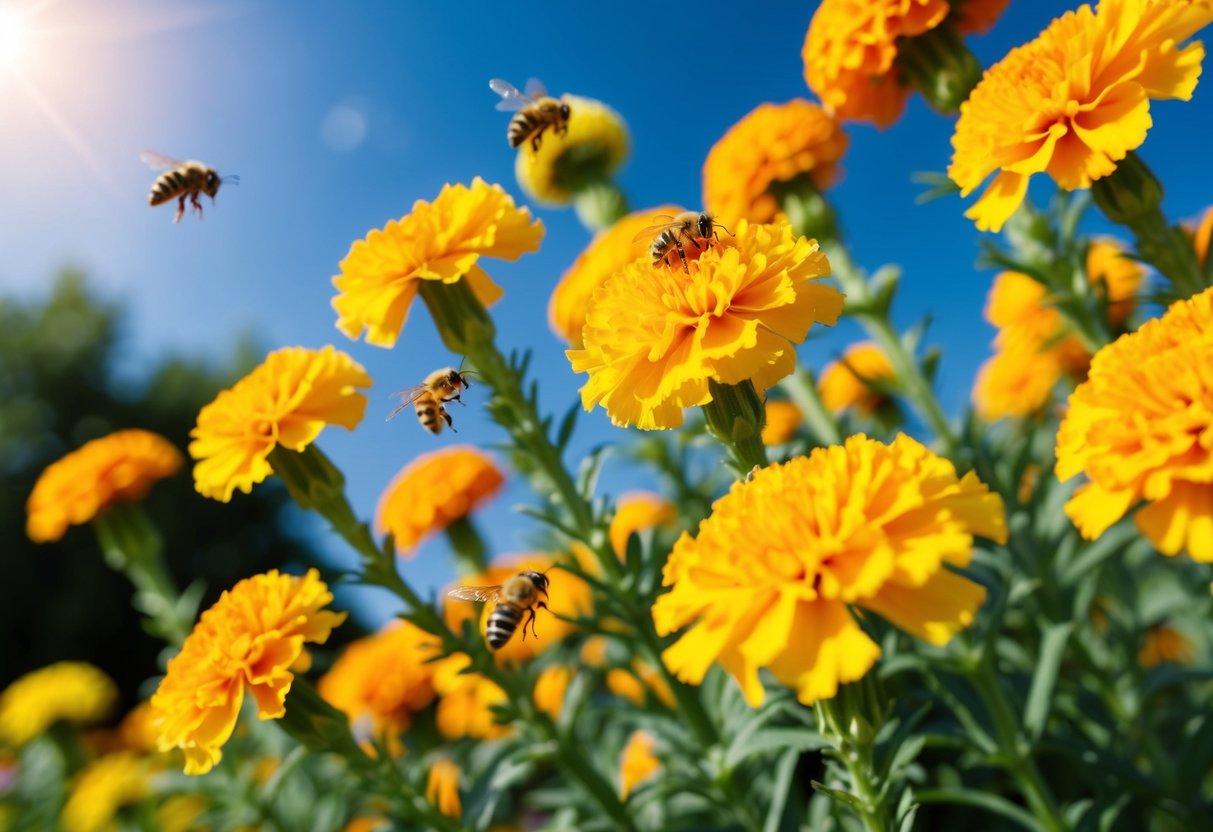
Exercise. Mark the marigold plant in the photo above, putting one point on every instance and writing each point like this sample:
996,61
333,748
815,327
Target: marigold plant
102,788
595,145
69,691
849,382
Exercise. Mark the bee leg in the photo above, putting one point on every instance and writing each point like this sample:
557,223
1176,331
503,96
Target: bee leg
197,205
180,209
682,254
538,136
449,424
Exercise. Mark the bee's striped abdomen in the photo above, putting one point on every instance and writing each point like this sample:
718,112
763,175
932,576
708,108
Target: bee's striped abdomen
522,125
428,408
503,621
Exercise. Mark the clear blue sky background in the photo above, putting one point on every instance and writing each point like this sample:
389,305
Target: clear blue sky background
337,116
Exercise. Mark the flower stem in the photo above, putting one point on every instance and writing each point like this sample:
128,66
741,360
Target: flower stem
940,66
471,553
735,416
1016,756
134,547
801,388
841,721
599,205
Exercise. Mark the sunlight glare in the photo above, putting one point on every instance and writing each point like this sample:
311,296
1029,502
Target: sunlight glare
14,36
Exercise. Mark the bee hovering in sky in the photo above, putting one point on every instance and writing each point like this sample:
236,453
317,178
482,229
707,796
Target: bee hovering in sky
536,112
428,398
517,596
181,181
688,226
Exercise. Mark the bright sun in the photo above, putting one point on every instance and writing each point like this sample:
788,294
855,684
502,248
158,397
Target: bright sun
14,36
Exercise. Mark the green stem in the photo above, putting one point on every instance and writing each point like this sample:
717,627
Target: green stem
801,388
1013,748
850,732
735,416
599,205
471,553
940,66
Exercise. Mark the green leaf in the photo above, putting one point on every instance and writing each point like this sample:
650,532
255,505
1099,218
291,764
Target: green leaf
980,800
1040,695
773,739
846,798
567,424
784,769
1195,757
938,184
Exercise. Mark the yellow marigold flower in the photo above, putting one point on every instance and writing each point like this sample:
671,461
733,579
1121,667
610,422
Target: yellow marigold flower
654,335
568,597
70,691
783,418
637,763
439,240
1164,643
1141,428
594,147
593,652
465,709
435,490
608,253
180,813
1016,382
138,731
101,789
287,400
1201,238
633,684
638,511
841,388
117,468
381,680
1109,264
550,688
1073,102
442,788
772,576
773,143
246,641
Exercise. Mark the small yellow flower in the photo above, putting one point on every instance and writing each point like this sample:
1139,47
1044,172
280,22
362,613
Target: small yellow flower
381,680
851,49
655,335
608,253
635,683
1201,238
101,789
783,418
117,468
245,642
287,401
773,143
69,691
180,813
843,384
594,147
1073,102
550,688
465,709
594,651
1141,428
637,511
435,490
568,597
637,763
1164,643
442,788
775,571
442,240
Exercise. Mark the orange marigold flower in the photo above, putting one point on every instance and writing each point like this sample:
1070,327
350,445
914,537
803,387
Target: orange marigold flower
638,511
435,490
550,688
1164,643
595,145
655,335
634,683
1201,237
465,709
102,788
442,787
381,680
287,400
637,763
1141,428
117,468
594,651
783,418
246,641
843,384
568,597
771,577
772,143
608,253
138,731
439,240
69,691
1073,102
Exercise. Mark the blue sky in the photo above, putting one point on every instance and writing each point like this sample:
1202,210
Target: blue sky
337,116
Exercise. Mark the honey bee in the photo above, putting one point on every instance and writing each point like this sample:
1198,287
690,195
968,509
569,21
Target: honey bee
670,234
181,181
516,597
536,112
428,398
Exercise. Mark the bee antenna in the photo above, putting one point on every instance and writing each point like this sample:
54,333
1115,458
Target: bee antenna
233,178
726,231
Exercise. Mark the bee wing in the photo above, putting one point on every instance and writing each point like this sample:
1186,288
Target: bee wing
158,161
651,231
476,593
408,396
511,98
535,88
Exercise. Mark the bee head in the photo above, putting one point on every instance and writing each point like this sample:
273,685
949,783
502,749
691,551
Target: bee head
211,186
704,225
564,111
539,579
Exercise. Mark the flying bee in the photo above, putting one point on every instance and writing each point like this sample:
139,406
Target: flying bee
536,112
181,181
688,226
429,397
517,596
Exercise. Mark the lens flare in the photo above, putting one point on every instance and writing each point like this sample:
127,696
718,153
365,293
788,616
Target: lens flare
14,36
